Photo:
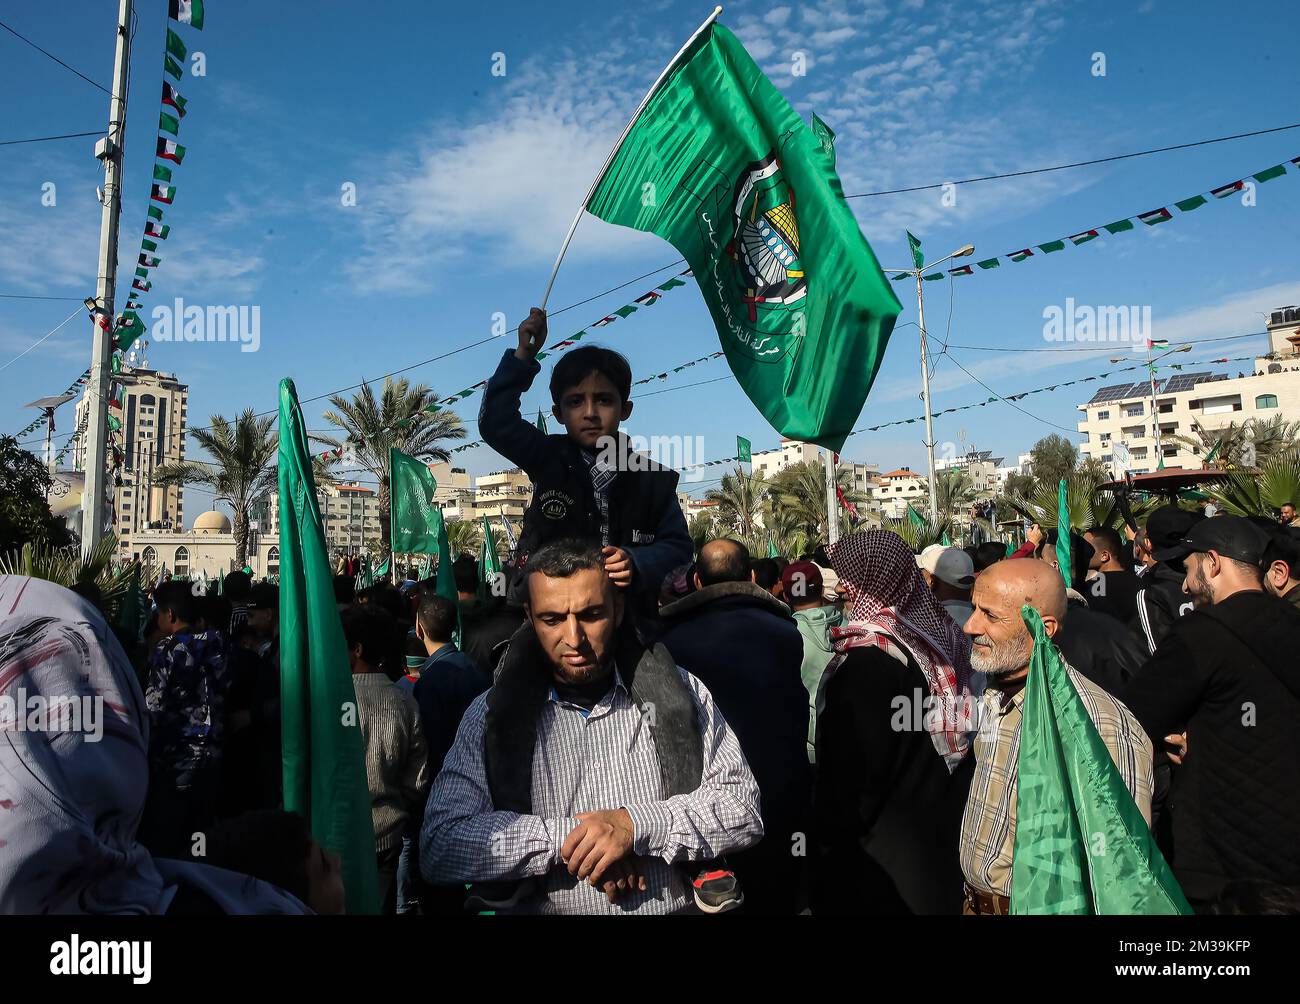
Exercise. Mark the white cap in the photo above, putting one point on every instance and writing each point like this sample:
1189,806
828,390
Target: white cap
829,581
948,564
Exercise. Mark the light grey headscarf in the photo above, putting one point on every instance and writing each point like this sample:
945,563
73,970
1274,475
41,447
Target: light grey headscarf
71,800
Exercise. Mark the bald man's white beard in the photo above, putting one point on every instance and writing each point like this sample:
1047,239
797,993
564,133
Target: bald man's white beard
1000,658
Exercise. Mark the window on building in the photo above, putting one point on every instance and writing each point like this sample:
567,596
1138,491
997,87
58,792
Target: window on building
1266,401
149,556
181,564
273,561
1105,437
1103,415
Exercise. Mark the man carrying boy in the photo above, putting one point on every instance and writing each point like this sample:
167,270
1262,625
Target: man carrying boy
583,484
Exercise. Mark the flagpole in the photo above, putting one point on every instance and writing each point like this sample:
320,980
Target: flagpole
568,238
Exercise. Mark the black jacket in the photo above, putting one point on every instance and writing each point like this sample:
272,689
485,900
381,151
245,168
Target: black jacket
1160,603
1099,647
644,515
743,644
1114,593
1229,675
484,628
888,813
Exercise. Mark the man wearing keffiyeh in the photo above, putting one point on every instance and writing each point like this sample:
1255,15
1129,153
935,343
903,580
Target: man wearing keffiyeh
893,740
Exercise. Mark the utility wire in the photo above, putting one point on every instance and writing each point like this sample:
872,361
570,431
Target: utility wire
24,296
38,341
52,56
1080,163
46,139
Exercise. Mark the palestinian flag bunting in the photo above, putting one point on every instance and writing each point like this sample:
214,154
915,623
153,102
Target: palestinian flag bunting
794,288
171,67
1118,227
1270,173
169,149
175,47
1021,255
161,172
163,194
158,231
148,261
1157,343
186,12
171,96
1187,205
1229,189
1161,215
1083,238
143,287
962,270
149,245
988,263
155,213
168,124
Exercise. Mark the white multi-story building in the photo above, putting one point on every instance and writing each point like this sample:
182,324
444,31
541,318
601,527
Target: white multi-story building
893,491
1186,402
503,493
981,466
153,413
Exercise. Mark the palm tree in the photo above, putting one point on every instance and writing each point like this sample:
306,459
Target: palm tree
919,536
400,418
463,537
702,528
740,500
242,471
1251,493
67,567
797,498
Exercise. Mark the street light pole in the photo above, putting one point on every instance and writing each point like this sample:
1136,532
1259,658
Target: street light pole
969,249
109,150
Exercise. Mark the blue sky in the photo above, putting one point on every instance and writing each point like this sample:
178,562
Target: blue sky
466,182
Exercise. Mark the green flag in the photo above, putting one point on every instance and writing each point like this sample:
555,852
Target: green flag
772,552
130,615
425,567
221,582
446,584
721,166
1063,531
384,571
914,245
541,420
1081,844
412,488
825,136
323,750
743,453
489,564
914,516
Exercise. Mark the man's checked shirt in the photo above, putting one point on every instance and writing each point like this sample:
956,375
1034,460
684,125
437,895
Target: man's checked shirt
585,761
988,828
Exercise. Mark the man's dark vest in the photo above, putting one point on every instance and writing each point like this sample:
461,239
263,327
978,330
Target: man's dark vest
523,686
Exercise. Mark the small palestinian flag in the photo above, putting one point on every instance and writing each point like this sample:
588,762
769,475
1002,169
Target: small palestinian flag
155,213
149,245
156,230
1021,255
132,305
162,173
175,47
605,320
171,96
1295,161
143,287
1161,215
963,270
170,66
163,194
1226,190
1157,343
1118,227
648,298
170,150
1271,173
1084,238
168,124
148,261
989,263
186,12
1051,246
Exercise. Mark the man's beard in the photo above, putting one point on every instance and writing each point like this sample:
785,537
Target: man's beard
577,676
1001,658
1199,590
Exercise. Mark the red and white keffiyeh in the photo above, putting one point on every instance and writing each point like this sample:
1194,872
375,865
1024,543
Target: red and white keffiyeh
892,607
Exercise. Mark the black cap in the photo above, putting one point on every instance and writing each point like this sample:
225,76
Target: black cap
264,596
1231,536
1167,528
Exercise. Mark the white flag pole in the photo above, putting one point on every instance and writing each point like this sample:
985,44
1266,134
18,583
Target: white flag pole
610,159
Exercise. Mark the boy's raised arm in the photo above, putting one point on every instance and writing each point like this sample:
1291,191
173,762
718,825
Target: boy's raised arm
499,421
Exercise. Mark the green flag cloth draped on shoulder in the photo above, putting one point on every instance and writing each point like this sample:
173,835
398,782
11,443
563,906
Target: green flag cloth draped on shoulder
1081,846
416,517
719,164
323,750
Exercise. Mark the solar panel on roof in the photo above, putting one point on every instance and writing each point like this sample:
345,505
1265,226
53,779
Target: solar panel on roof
1112,393
1184,381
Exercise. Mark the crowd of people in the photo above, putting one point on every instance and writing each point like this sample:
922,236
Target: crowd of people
634,725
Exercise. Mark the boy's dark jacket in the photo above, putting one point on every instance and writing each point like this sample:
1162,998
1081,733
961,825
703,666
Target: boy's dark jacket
644,517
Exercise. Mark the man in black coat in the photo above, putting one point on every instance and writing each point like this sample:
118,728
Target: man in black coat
743,644
1114,588
1161,601
1227,676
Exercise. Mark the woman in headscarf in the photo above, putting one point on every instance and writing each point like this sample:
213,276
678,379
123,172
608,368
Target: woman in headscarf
73,774
893,742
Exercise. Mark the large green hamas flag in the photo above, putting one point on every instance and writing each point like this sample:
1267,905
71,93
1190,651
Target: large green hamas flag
416,516
720,165
323,750
1081,846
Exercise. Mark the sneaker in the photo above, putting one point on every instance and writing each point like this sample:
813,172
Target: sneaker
495,896
717,890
